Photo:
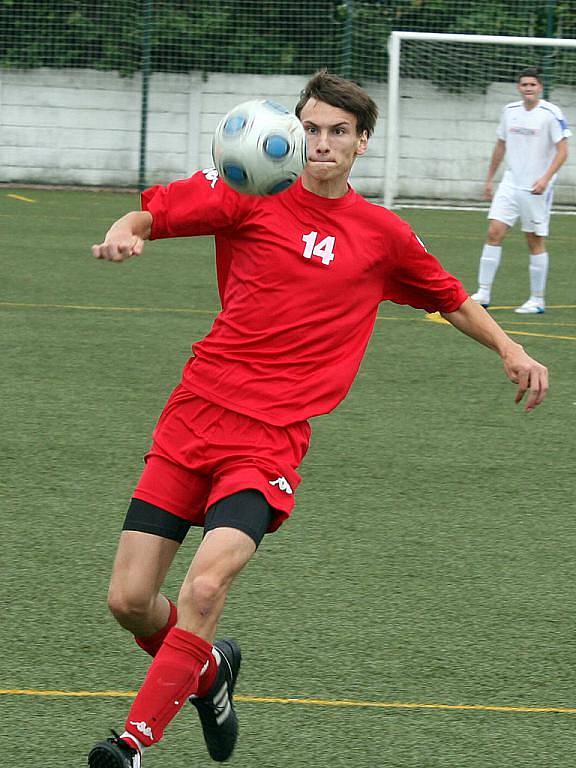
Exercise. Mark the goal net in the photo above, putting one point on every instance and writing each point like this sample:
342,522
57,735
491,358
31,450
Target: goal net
446,92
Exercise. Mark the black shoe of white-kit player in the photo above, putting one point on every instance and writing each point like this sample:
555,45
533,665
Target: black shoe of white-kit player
216,709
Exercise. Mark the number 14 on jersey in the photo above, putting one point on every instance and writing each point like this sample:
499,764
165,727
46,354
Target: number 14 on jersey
324,250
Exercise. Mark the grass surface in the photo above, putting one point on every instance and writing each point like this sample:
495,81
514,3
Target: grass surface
429,560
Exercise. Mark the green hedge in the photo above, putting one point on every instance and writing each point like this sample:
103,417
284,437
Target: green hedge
273,37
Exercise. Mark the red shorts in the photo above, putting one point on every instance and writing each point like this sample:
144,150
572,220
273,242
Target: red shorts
202,452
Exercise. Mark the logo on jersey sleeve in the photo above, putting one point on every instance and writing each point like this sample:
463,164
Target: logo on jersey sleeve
211,175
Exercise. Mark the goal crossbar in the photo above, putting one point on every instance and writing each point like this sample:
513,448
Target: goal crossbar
394,47
447,37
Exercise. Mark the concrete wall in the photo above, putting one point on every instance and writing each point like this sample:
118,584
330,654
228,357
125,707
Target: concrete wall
82,127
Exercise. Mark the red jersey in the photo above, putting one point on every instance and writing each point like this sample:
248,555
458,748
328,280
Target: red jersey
300,279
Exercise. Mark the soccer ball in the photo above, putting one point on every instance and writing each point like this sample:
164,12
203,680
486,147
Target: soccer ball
259,148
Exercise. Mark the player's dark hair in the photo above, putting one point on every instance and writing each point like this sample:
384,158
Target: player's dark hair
529,72
344,94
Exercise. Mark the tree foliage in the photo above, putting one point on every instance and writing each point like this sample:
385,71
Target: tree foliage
278,36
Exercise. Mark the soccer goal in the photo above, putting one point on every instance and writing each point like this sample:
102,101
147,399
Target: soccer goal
445,95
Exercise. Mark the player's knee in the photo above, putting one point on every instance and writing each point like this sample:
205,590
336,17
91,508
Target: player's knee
129,606
495,237
536,243
203,593
497,231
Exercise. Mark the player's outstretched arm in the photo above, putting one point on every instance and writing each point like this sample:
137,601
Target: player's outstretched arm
530,375
125,238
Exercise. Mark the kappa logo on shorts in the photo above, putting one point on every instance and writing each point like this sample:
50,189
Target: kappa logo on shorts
283,484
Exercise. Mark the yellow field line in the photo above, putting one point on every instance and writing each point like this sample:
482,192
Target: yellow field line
546,323
435,317
68,694
96,307
406,705
20,197
540,335
108,308
160,310
307,702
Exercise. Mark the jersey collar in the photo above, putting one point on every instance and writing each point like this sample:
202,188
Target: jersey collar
310,200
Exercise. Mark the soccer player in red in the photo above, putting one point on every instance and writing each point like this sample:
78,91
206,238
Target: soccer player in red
301,275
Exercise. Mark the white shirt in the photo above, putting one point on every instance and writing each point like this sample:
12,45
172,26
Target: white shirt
531,136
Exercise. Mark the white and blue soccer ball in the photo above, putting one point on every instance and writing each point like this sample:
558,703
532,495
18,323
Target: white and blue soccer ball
259,148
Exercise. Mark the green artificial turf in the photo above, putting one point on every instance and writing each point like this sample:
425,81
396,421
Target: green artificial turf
429,560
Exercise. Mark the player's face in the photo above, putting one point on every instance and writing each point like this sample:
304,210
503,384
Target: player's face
333,145
530,89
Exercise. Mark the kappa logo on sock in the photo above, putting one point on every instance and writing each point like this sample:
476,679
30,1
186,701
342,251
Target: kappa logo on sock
143,728
283,484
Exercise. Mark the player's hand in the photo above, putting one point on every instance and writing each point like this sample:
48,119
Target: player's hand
539,187
118,247
125,238
488,191
530,375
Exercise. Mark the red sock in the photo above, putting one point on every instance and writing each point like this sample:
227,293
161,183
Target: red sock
207,678
152,643
172,677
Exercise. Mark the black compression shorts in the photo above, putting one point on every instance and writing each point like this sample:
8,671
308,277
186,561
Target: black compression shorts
247,511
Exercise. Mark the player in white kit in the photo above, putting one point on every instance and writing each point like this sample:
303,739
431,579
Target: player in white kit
533,136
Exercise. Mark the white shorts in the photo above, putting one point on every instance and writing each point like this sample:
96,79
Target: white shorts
509,203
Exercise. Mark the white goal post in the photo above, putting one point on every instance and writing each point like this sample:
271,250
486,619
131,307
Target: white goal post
395,125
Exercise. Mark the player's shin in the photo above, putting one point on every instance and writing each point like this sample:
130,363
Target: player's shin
489,263
538,274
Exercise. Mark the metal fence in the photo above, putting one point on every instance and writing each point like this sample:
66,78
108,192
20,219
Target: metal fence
251,36
288,37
